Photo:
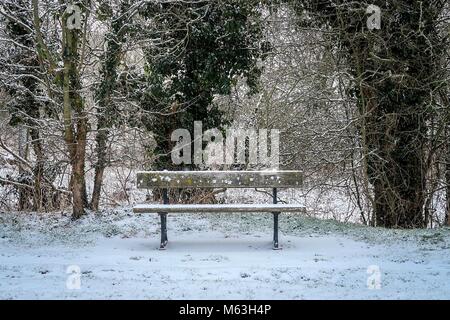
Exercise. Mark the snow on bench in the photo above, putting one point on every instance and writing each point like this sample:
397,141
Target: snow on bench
218,179
192,208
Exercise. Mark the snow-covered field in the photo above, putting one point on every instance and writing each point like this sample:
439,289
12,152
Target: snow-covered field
216,256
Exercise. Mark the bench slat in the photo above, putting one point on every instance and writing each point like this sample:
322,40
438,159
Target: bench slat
219,179
192,208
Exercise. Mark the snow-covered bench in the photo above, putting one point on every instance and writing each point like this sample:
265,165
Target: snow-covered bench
217,179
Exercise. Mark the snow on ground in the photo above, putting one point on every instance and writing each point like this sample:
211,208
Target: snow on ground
217,256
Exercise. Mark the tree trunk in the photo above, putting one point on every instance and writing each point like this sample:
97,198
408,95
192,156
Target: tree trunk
38,169
106,112
73,103
78,176
397,172
101,139
395,80
447,177
22,143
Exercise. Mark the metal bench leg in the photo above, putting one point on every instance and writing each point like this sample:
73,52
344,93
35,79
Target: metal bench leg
275,231
163,217
275,221
165,229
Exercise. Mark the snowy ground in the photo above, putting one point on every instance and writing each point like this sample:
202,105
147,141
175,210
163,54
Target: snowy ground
217,256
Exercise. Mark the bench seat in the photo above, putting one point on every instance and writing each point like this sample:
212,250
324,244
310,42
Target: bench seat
192,208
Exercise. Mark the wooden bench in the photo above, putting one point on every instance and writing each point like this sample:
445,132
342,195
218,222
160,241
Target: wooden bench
217,179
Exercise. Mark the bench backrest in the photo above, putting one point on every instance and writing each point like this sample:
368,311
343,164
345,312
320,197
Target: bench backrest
219,179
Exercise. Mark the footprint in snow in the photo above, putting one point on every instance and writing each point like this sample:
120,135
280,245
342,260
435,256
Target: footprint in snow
136,258
216,258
